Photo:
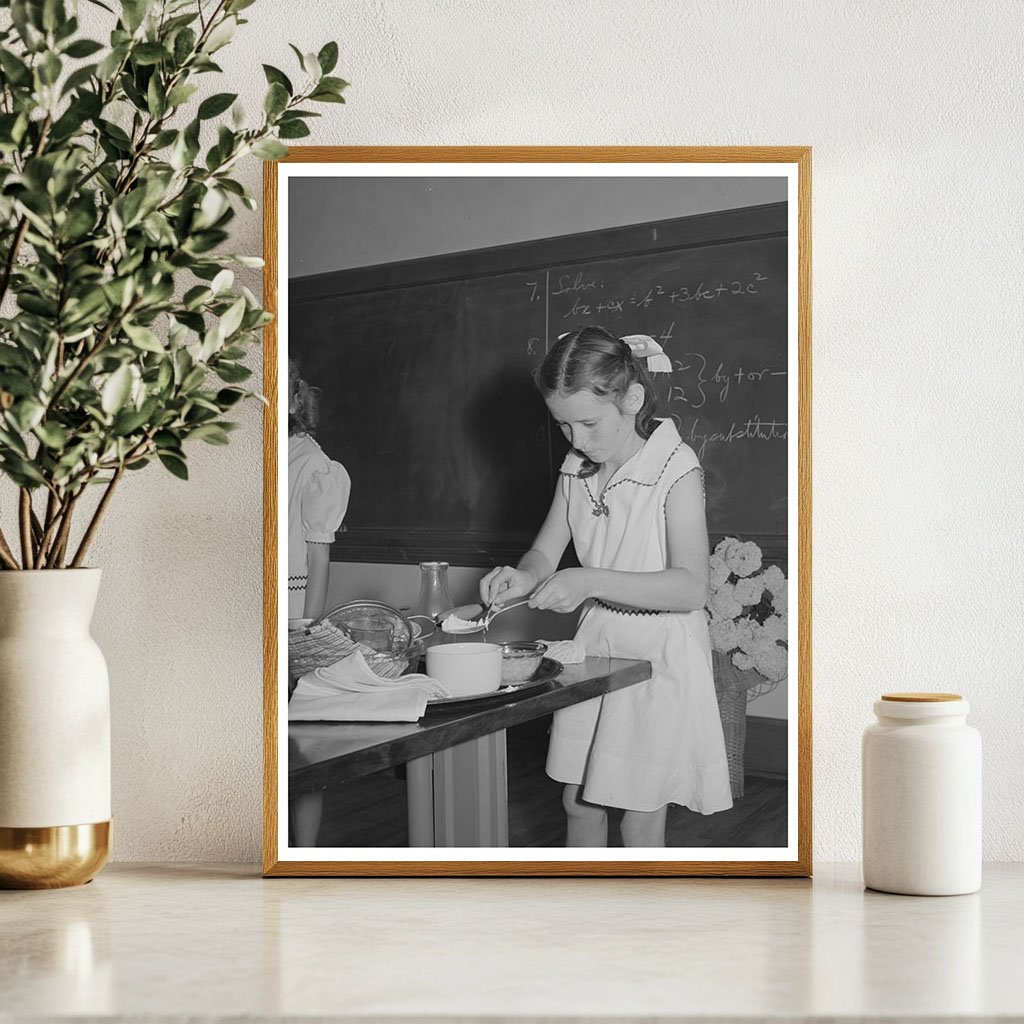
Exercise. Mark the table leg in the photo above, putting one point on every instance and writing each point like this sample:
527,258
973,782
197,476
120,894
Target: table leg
459,796
419,798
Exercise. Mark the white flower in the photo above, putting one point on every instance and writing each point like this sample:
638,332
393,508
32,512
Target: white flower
724,604
780,600
749,591
718,572
744,558
742,661
772,662
723,547
774,580
776,627
724,636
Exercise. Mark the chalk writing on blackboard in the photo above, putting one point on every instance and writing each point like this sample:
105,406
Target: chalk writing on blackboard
753,429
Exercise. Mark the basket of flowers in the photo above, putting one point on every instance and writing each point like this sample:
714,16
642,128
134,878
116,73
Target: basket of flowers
748,618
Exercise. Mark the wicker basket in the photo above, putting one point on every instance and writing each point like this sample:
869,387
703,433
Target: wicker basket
733,687
321,643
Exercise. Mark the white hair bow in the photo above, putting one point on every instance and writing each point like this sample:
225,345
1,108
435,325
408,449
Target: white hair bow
643,346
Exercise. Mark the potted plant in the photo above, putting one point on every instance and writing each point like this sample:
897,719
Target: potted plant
122,339
748,618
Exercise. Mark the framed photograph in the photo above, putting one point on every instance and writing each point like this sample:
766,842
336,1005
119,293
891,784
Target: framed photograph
537,519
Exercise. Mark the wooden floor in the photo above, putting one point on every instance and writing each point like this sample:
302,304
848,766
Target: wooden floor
372,811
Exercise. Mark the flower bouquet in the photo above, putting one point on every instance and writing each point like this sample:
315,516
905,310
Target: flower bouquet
748,611
749,623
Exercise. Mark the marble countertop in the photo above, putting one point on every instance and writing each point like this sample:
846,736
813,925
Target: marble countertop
177,941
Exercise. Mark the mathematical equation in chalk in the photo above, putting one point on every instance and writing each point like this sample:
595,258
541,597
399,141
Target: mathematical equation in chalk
589,300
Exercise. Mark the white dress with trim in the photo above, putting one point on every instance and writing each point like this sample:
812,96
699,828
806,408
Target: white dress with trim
318,491
660,741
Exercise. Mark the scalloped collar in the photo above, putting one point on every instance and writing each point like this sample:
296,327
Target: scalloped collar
645,465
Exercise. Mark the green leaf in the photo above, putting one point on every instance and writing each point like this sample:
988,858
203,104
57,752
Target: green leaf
184,44
293,130
269,149
222,281
334,84
227,397
325,96
128,421
53,435
232,373
328,58
133,13
276,100
25,414
221,35
14,68
48,68
144,338
232,319
175,464
214,105
83,48
21,471
234,6
181,93
211,433
311,66
274,76
116,390
149,53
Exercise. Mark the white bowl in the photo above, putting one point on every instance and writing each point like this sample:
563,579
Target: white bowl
465,669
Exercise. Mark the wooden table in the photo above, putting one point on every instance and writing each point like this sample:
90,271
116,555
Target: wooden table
456,762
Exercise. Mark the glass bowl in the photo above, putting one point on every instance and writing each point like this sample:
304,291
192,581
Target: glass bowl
520,659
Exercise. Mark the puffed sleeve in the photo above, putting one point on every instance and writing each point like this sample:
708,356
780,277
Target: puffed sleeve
324,502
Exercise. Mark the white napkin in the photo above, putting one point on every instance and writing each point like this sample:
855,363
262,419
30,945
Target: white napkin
350,691
568,652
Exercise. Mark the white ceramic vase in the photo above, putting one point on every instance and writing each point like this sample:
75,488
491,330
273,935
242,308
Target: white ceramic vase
54,731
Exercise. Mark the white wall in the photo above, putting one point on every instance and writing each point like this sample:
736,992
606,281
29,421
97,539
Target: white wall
913,110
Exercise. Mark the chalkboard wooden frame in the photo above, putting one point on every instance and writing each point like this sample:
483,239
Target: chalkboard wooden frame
275,863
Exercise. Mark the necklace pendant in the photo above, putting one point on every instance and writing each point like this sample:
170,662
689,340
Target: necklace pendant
600,509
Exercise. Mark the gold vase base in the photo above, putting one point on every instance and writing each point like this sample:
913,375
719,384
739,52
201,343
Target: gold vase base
54,857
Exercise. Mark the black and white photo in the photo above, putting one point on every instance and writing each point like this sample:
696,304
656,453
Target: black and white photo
542,444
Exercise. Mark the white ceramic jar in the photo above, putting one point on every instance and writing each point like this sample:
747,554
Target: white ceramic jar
921,794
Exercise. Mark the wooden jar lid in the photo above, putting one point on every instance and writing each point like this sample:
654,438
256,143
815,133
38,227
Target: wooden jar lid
920,698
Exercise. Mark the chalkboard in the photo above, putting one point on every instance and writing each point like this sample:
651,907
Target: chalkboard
429,403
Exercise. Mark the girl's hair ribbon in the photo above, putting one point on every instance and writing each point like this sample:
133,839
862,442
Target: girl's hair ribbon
643,346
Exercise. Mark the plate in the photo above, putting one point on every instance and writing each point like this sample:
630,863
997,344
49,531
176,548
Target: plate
546,670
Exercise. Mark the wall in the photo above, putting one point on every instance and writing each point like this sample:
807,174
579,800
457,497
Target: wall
913,111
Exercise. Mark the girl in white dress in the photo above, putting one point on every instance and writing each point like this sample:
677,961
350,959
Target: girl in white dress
630,496
318,492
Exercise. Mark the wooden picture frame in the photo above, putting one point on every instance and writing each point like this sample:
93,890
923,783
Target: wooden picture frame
325,749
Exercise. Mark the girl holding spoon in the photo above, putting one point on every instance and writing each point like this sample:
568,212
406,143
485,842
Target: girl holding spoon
630,498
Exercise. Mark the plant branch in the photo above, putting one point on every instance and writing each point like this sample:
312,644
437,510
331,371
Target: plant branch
60,544
6,555
25,520
94,523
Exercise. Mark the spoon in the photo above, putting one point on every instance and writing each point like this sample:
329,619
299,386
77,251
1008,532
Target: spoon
482,620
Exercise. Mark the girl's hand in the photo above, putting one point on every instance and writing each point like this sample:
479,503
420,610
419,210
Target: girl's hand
505,584
564,591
